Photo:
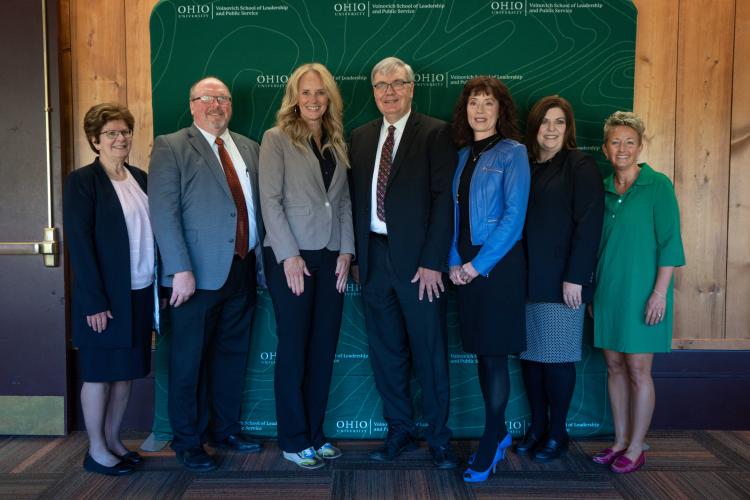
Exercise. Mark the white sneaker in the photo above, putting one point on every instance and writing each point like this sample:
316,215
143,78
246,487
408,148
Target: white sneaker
307,459
328,451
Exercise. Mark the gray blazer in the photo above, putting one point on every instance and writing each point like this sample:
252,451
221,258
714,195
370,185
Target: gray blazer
299,213
192,210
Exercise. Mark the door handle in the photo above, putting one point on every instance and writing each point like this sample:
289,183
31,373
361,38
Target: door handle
48,248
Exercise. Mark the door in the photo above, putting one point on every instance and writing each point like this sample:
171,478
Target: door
33,366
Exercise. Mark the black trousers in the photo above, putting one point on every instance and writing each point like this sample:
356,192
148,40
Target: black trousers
404,331
307,327
208,358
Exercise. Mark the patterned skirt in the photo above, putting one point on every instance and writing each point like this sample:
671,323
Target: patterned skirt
553,333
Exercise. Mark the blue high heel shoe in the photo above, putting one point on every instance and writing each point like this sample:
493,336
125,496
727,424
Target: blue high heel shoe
505,443
472,476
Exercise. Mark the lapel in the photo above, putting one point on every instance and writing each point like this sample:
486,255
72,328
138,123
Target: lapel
141,180
196,139
410,130
109,195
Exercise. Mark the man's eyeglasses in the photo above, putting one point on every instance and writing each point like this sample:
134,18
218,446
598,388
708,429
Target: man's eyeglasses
396,85
208,99
112,134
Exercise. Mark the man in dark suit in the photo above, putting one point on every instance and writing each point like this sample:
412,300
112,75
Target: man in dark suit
205,215
402,168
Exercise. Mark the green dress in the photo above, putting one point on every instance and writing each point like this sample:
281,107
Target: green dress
641,233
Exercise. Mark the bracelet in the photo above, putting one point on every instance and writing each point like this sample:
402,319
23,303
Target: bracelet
659,293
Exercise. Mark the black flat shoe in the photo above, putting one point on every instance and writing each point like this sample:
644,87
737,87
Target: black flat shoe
550,450
132,458
196,459
119,469
528,444
444,457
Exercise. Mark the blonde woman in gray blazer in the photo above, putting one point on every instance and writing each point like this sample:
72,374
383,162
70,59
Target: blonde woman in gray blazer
309,244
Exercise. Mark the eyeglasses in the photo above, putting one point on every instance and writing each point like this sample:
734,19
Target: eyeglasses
208,99
112,134
396,85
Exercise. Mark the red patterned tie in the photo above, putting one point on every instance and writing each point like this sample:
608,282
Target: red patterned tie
241,236
384,170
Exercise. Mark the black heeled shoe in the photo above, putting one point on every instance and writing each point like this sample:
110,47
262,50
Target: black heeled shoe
528,444
119,469
550,450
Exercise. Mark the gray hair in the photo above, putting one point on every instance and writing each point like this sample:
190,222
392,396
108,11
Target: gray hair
389,65
624,119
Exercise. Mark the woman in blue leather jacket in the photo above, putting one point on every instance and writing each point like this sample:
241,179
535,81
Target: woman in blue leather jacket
490,194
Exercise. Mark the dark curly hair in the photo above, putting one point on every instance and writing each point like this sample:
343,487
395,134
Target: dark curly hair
506,120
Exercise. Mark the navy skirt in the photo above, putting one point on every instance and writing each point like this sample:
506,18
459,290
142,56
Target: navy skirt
112,365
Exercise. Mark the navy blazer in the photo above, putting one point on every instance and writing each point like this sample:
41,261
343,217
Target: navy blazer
97,243
563,225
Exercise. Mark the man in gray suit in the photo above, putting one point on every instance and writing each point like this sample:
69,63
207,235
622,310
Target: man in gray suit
203,198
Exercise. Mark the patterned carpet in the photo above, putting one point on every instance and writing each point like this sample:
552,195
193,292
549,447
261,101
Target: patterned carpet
680,464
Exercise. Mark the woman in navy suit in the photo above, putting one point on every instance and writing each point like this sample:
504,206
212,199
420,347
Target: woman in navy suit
111,249
563,227
490,192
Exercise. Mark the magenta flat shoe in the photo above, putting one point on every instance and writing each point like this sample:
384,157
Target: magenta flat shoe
623,465
606,456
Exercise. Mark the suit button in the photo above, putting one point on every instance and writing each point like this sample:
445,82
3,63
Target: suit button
231,240
232,214
328,204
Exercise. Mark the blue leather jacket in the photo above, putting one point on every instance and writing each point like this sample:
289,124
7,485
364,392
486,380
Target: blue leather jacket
498,197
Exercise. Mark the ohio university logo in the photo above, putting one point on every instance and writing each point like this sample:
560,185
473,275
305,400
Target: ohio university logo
353,426
350,9
267,357
430,79
271,80
194,11
508,7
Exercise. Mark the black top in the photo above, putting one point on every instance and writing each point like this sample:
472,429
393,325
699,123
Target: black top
563,225
326,160
466,250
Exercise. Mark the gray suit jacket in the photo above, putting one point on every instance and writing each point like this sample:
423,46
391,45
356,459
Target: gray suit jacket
299,213
192,211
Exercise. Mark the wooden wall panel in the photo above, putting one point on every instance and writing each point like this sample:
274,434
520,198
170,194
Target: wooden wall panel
704,97
99,64
137,14
656,80
738,265
691,87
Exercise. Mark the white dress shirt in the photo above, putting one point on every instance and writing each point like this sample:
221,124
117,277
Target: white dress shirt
242,174
377,225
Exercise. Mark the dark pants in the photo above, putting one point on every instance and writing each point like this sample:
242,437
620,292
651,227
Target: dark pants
208,358
307,327
402,330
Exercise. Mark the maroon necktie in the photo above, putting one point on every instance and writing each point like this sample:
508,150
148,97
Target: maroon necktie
241,236
384,170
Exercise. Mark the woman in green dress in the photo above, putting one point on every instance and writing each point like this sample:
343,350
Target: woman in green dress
640,247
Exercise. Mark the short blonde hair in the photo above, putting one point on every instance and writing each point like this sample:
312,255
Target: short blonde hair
289,120
624,119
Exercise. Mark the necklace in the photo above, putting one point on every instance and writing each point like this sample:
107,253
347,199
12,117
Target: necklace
475,156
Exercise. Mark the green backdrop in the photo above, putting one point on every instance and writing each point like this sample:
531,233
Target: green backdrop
584,51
